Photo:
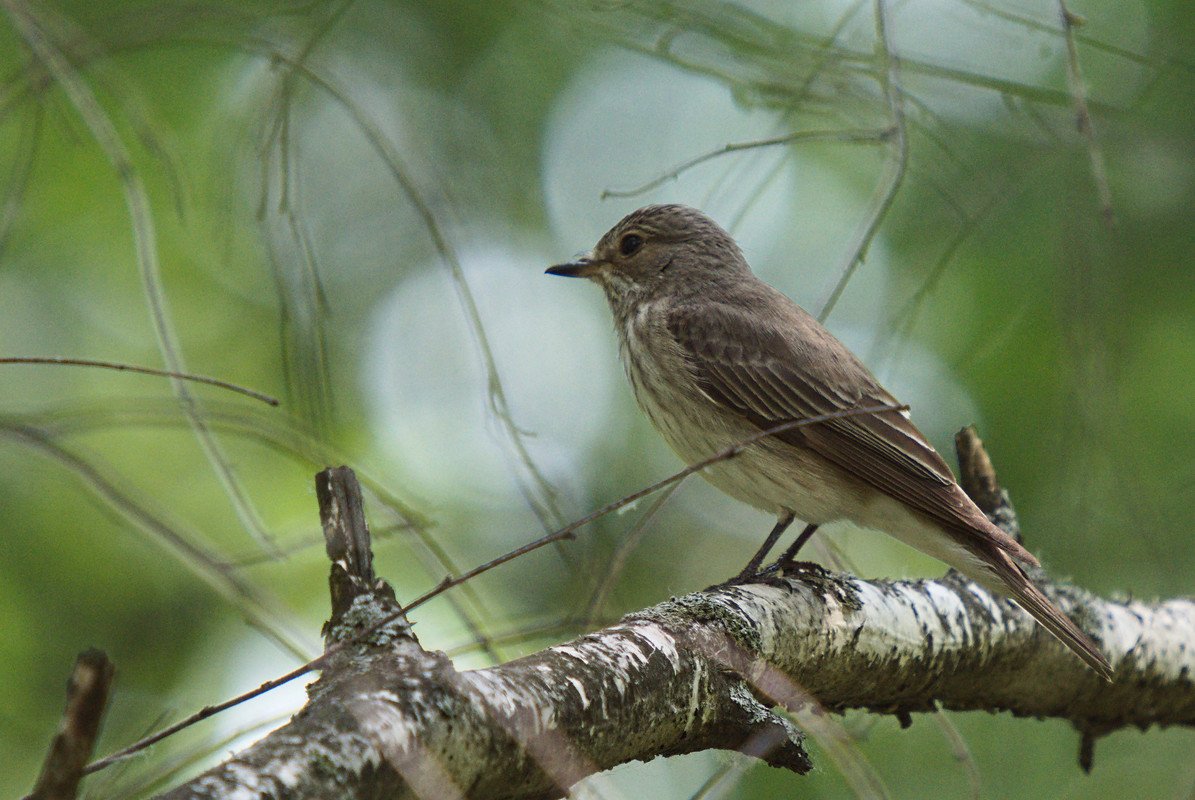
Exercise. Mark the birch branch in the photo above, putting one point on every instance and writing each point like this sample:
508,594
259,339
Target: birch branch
388,719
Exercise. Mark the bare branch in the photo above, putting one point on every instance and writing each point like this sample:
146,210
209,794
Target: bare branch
346,538
390,719
689,674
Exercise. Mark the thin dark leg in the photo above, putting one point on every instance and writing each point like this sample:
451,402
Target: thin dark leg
757,559
796,546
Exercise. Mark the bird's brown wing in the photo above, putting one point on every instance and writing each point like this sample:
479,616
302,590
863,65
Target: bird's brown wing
768,372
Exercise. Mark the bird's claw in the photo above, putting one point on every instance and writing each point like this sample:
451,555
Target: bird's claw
773,572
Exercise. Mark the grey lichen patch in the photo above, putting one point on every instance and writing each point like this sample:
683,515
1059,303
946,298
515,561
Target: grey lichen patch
743,697
704,608
366,611
774,739
336,766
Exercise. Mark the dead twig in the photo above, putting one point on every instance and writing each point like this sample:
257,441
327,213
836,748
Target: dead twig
86,700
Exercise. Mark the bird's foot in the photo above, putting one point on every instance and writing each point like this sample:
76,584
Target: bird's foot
754,575
790,568
774,572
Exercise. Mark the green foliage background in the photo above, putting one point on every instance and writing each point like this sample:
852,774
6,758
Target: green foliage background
299,161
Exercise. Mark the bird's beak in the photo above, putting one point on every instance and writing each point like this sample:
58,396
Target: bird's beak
581,268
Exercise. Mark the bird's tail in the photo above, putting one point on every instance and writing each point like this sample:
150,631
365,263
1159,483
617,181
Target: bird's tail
1014,583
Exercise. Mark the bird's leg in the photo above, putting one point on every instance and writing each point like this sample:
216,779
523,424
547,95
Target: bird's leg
796,546
752,567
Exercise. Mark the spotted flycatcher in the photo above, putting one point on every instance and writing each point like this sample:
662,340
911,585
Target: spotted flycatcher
715,356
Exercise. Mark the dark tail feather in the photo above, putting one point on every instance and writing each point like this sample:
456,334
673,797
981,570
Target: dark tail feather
1030,598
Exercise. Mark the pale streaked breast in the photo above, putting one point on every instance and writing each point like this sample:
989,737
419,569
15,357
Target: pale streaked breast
772,475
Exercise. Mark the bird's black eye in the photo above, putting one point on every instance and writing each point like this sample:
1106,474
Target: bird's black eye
630,243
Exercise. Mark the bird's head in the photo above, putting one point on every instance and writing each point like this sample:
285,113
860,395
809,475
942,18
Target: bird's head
660,248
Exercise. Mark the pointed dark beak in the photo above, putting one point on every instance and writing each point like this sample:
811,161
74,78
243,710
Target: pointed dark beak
581,268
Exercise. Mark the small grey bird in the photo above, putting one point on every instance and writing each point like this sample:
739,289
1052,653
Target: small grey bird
715,355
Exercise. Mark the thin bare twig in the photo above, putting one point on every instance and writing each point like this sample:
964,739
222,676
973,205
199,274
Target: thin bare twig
527,633
861,776
1078,89
208,711
568,531
278,432
807,711
904,320
896,164
312,342
535,487
721,777
284,435
144,781
998,11
618,560
844,136
823,59
162,373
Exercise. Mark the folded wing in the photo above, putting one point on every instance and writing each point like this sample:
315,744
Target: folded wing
758,369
